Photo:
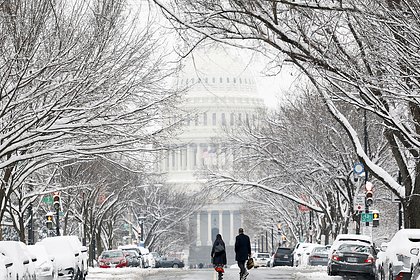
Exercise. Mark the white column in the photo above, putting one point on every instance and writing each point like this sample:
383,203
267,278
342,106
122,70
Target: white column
171,160
190,157
186,159
198,230
198,155
232,233
221,222
209,241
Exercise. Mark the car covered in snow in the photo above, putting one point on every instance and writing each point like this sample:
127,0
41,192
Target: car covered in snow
400,255
45,268
66,258
5,267
23,267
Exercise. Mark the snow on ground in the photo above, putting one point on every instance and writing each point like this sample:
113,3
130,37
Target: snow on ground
132,273
127,273
313,273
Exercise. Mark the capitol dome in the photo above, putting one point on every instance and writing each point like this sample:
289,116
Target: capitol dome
217,72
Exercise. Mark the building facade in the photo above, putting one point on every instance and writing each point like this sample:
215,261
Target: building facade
221,94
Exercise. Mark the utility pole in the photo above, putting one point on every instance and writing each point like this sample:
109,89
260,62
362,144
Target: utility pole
31,240
366,152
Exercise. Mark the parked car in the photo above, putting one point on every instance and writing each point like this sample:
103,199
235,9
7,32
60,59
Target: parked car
169,262
23,267
44,264
82,258
5,267
261,259
132,257
318,256
345,238
353,258
112,258
133,247
400,255
66,258
299,251
283,256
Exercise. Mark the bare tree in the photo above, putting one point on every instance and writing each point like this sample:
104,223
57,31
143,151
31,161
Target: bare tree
358,52
78,79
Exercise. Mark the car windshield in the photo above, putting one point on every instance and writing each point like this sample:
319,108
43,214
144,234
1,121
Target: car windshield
354,248
263,256
284,251
112,254
320,250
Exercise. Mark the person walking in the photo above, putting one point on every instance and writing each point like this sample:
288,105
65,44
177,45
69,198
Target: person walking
218,255
242,252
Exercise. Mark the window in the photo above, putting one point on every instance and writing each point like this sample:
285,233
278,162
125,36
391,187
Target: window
221,80
205,118
206,80
223,119
214,80
214,119
232,119
234,80
196,120
227,80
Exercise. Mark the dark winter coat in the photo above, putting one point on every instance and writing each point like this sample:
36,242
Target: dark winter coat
219,258
242,247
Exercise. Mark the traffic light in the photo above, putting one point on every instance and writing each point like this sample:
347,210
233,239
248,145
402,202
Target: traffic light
56,199
375,222
49,221
369,193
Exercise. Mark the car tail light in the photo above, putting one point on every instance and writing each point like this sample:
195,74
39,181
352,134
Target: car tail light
123,261
370,259
335,258
400,276
314,257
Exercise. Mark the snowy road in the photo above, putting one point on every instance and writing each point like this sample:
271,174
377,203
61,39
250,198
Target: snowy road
278,273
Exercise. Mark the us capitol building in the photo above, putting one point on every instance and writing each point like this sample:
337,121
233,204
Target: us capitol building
221,93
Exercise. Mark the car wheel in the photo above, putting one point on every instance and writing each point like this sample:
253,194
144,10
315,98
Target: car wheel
175,265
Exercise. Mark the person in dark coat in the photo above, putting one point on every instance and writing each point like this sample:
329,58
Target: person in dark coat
242,252
218,255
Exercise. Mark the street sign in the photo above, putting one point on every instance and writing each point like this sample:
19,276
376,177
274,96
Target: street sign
367,217
47,199
359,202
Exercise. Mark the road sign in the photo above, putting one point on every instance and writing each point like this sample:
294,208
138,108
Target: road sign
47,199
367,217
359,202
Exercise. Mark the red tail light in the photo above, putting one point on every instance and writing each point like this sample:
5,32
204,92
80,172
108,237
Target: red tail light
315,257
335,258
400,276
370,259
